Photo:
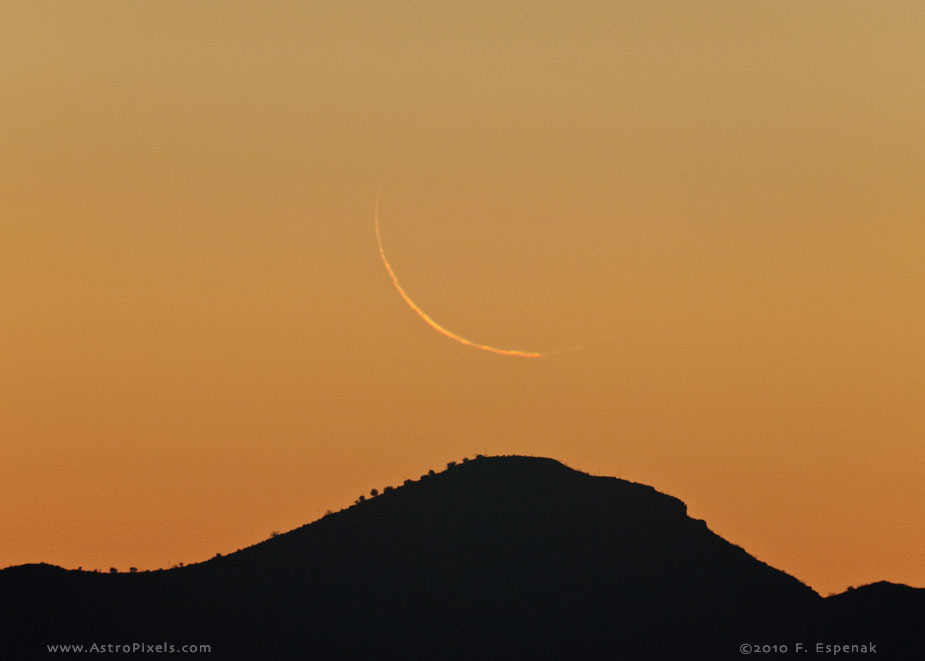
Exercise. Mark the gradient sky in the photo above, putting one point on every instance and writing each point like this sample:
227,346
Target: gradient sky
723,201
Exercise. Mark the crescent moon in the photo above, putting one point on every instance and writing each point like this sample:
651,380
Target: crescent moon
445,331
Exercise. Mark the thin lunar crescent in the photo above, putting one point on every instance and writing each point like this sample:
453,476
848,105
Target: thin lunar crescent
437,327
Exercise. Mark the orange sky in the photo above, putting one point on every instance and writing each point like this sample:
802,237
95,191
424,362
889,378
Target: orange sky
723,201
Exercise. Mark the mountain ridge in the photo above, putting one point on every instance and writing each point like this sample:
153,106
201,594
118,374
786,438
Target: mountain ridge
529,557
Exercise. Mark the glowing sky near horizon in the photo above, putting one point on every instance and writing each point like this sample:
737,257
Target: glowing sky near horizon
199,344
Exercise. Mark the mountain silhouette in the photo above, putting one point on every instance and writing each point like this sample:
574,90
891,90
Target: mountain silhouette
493,558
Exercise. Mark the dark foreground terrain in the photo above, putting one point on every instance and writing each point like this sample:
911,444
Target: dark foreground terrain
495,558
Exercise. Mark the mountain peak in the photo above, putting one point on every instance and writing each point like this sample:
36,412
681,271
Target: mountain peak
494,557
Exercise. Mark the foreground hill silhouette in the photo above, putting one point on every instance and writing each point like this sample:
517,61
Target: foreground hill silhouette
495,558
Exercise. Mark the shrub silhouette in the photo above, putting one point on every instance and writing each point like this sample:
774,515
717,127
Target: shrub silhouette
374,492
113,570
